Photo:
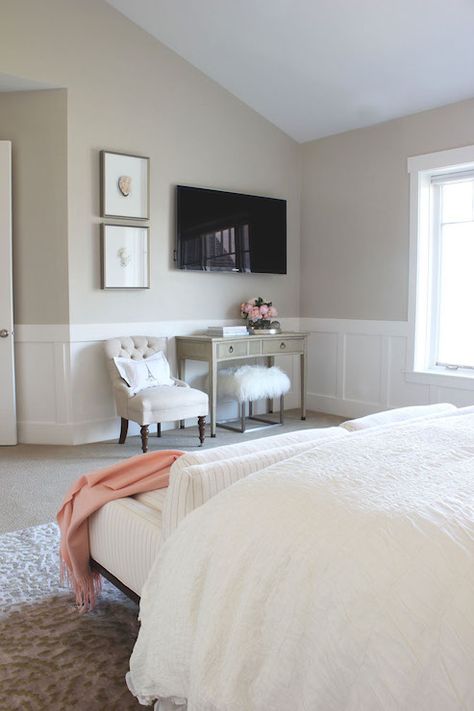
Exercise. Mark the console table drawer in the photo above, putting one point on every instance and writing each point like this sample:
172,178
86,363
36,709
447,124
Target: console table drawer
275,346
233,349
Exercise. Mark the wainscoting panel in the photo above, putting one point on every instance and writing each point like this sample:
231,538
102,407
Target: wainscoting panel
36,367
90,383
459,397
399,392
322,363
362,363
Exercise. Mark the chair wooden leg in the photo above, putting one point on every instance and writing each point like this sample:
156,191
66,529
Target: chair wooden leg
202,428
123,430
144,435
158,429
282,409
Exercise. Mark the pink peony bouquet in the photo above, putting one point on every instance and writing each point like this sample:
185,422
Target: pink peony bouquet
258,312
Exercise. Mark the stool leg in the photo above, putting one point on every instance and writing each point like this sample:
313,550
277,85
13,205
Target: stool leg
158,429
250,408
242,416
282,408
270,364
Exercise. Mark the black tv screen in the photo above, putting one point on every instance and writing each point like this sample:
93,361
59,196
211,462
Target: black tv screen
219,231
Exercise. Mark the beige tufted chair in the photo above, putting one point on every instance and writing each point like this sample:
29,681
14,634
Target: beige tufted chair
161,403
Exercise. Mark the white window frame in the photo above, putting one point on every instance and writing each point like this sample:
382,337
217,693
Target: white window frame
421,335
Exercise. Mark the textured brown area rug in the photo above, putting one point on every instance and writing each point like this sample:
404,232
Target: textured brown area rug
52,658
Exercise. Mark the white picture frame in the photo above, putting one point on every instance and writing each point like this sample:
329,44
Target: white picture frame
125,257
125,186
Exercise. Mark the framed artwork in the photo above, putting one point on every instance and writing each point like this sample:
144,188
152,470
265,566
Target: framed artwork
125,257
125,186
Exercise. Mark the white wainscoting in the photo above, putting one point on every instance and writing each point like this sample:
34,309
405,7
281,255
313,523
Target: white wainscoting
63,387
359,367
354,368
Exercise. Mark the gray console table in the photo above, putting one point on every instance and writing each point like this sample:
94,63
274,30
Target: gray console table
215,350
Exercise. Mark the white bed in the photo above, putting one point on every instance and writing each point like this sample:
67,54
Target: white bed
337,578
125,535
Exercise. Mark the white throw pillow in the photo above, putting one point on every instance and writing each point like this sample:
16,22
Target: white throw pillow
145,373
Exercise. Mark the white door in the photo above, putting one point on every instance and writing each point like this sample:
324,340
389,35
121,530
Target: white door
7,365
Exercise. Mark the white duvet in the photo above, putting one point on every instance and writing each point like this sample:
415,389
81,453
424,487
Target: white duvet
341,579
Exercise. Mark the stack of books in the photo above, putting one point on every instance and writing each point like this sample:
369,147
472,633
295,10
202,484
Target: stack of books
227,331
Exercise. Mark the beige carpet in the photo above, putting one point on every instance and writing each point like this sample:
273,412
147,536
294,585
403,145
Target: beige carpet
51,657
34,478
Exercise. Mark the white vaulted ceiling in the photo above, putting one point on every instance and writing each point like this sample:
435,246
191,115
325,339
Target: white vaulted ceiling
319,67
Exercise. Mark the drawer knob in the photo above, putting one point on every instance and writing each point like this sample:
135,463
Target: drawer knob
231,349
282,345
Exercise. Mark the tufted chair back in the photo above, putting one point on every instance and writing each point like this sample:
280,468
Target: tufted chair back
134,347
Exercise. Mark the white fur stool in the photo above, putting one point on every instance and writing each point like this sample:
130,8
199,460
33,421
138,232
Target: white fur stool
249,383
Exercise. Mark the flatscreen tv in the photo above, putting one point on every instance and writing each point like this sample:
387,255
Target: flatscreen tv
220,231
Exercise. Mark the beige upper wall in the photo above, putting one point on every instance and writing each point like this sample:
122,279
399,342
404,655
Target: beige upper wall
36,124
355,203
127,92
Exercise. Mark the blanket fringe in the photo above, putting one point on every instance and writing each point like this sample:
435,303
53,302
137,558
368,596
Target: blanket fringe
86,588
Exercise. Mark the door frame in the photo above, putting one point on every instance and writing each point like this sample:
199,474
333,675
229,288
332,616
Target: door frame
8,423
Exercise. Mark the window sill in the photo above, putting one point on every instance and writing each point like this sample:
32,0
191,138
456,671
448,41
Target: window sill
461,381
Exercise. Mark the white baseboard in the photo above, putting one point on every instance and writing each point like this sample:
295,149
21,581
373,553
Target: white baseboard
30,432
85,432
69,433
337,406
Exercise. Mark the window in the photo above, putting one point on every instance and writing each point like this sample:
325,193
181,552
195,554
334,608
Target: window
453,282
442,263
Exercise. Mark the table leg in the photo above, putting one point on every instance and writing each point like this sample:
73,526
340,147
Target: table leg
181,368
181,376
213,394
303,385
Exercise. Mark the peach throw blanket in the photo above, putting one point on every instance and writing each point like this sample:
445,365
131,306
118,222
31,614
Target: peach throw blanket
144,472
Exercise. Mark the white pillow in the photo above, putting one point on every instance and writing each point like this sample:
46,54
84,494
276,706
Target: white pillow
145,373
